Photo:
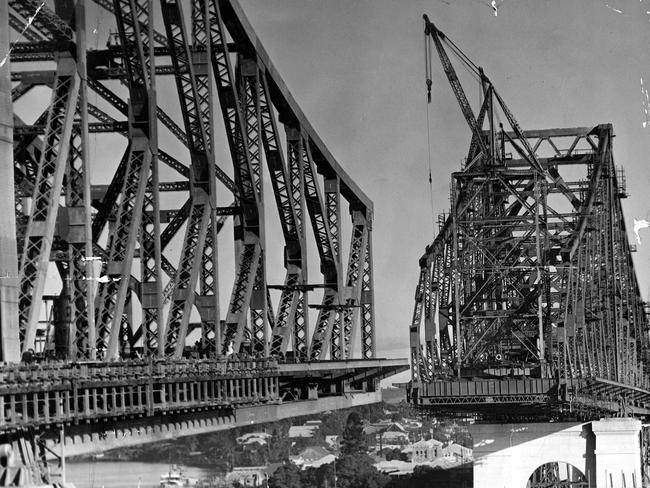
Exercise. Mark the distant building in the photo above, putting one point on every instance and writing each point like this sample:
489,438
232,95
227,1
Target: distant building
248,476
385,433
457,451
313,457
426,451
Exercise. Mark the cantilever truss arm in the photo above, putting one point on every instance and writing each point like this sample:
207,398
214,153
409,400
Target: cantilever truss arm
120,252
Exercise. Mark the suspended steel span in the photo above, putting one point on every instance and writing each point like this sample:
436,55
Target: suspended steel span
122,168
527,304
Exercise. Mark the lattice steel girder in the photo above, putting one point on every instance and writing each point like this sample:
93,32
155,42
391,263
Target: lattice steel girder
78,201
233,116
194,89
207,302
241,296
286,316
318,214
354,276
45,205
112,295
368,345
187,276
296,262
43,19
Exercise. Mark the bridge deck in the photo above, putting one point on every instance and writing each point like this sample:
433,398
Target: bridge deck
516,397
56,393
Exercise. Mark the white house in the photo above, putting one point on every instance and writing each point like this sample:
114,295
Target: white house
457,451
253,476
426,451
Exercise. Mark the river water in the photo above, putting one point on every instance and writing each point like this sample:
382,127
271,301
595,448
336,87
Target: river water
123,474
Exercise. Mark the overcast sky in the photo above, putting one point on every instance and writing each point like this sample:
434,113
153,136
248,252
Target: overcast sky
356,68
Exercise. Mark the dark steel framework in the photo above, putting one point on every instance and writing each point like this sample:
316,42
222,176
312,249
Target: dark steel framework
209,49
148,238
530,275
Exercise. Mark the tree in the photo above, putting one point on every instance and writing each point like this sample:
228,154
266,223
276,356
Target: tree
357,471
286,476
353,439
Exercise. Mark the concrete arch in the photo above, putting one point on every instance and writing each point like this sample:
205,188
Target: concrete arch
506,455
573,473
607,451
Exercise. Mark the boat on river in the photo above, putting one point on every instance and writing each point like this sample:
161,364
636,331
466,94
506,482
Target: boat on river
175,478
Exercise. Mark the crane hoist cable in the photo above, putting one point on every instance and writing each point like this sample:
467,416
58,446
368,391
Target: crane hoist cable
429,82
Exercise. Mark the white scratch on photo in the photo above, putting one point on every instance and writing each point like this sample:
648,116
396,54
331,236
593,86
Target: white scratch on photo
638,225
614,9
29,22
645,103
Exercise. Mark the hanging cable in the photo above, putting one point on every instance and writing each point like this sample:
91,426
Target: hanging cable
461,55
427,62
429,83
433,225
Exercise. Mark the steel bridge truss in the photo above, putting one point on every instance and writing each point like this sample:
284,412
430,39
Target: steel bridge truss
531,272
115,248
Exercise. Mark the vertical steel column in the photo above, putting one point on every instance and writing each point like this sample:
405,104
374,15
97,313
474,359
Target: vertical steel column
9,337
368,345
332,188
249,93
78,202
300,318
152,327
354,280
330,267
